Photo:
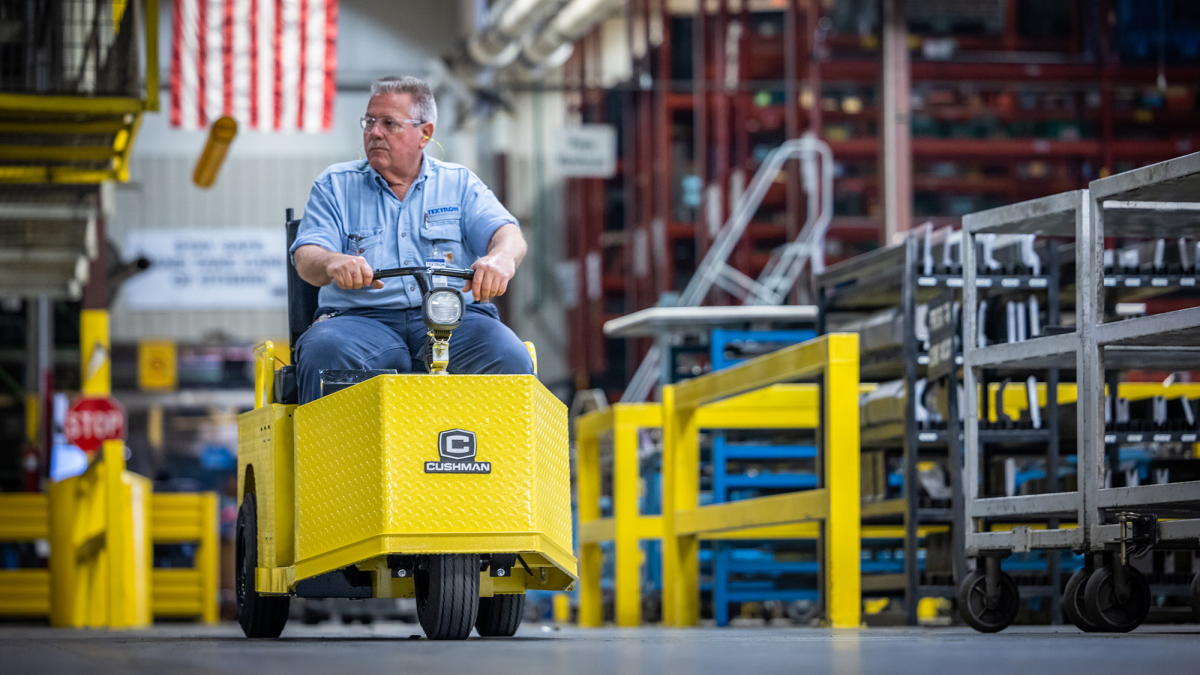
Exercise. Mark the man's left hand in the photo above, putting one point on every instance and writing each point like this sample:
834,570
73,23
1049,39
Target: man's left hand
492,273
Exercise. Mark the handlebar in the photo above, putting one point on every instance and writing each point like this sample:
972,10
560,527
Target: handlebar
414,271
422,274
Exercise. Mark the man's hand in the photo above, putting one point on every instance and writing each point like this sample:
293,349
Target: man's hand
351,272
492,273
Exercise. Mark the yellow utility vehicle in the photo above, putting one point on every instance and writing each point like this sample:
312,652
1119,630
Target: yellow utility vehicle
453,489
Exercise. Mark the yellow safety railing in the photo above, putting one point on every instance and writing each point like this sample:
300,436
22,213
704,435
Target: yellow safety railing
175,518
24,592
832,362
785,406
187,518
100,546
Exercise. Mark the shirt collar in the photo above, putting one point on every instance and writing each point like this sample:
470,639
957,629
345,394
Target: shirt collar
427,169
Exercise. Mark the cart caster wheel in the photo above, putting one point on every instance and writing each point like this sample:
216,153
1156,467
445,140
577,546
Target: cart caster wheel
1106,611
975,610
448,595
1195,596
347,619
260,615
1072,601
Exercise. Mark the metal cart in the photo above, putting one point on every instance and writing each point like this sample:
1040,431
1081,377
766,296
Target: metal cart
1113,523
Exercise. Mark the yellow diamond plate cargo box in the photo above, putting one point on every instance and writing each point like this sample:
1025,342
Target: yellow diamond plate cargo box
408,464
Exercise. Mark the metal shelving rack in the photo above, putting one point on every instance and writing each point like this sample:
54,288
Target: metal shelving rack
896,276
1161,200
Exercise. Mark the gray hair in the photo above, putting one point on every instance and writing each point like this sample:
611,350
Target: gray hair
423,108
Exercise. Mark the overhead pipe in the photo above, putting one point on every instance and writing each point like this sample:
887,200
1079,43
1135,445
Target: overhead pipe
552,45
498,43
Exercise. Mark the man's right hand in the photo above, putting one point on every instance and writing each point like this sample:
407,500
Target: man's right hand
351,272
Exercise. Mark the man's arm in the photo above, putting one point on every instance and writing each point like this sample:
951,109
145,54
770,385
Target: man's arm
506,250
319,267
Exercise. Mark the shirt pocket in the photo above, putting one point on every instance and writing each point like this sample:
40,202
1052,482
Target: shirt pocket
443,239
366,243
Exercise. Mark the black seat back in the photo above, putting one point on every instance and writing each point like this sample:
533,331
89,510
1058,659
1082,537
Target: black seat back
302,296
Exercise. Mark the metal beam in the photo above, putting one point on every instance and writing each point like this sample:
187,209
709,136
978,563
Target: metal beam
55,153
70,104
793,507
895,122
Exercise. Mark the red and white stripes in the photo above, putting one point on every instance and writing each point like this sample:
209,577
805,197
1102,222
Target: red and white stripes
269,64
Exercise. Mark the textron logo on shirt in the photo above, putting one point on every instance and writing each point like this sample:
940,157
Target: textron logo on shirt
457,449
442,209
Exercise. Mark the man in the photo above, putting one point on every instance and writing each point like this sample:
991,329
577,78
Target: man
401,208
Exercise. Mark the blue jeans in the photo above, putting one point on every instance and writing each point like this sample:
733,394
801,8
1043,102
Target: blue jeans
369,338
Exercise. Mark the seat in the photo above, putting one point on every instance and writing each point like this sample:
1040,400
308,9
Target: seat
302,296
302,303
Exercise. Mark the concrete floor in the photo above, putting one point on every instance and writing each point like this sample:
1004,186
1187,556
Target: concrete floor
183,649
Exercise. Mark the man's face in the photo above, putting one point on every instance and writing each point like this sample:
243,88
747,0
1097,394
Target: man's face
393,154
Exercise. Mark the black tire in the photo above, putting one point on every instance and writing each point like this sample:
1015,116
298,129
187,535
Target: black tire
974,609
261,616
448,595
500,615
1103,609
1073,603
1195,596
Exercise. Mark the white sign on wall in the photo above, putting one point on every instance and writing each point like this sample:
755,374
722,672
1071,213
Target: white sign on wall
208,269
587,151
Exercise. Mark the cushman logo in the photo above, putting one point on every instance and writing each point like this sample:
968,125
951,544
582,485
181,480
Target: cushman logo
457,449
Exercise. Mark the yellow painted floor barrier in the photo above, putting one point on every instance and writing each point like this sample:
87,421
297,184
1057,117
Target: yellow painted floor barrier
831,361
84,515
187,518
776,407
784,406
24,593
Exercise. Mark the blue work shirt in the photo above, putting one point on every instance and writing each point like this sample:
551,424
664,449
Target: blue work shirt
447,213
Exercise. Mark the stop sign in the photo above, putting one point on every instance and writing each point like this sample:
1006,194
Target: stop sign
91,421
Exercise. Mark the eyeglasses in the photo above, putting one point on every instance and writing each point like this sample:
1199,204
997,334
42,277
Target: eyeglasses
389,125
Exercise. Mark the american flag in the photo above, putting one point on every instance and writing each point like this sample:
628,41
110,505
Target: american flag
269,64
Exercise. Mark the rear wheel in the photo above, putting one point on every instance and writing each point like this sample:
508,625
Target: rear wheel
500,615
261,616
448,595
1073,601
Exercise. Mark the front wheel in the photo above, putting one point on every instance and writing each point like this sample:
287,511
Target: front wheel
261,616
1108,611
500,615
983,615
448,595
